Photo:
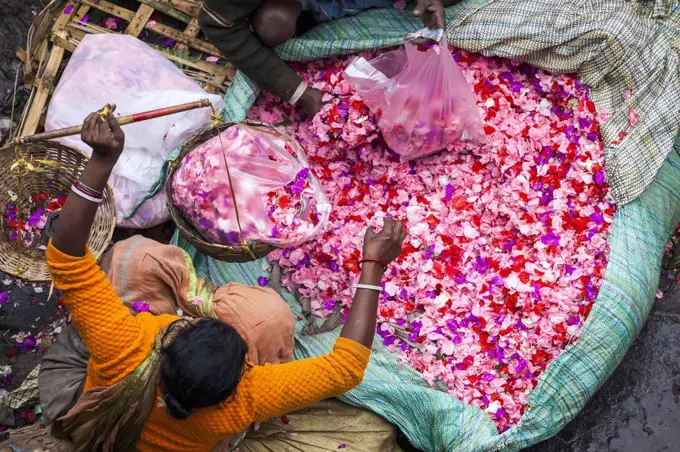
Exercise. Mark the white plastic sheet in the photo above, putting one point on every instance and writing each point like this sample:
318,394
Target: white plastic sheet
122,70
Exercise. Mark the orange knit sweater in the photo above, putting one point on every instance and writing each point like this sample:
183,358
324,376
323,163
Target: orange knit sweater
119,342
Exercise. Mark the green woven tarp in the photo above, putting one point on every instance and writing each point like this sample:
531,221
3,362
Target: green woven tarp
434,420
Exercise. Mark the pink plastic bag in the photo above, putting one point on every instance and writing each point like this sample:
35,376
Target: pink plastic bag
422,100
280,201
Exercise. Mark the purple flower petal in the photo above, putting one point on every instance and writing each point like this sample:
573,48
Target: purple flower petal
599,178
597,218
140,306
449,192
551,239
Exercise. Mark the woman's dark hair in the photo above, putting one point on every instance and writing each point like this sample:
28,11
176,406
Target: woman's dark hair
201,367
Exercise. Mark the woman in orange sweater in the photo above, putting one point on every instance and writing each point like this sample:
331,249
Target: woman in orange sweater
165,383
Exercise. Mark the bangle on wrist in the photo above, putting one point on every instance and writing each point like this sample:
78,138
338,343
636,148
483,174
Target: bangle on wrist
302,87
88,190
368,287
375,261
86,194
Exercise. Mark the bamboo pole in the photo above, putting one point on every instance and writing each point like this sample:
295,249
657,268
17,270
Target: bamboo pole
123,120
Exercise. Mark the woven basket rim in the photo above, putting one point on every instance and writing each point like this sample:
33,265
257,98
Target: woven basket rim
104,222
260,249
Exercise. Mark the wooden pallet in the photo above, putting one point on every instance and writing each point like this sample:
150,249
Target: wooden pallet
57,35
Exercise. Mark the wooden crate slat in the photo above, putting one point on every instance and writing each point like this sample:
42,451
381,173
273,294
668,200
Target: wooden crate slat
22,55
168,9
65,43
63,19
59,34
219,71
43,91
42,29
191,30
218,80
110,8
178,36
190,7
139,21
82,11
77,34
210,68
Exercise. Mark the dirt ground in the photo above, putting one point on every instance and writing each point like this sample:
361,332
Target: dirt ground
15,18
637,409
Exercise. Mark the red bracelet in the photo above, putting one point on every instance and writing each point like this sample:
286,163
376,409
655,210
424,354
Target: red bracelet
375,261
88,191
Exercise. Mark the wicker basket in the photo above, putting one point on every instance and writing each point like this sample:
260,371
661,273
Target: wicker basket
55,178
224,253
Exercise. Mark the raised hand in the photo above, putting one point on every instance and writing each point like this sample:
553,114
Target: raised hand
104,136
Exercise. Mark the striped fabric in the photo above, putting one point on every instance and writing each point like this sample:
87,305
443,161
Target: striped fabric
613,46
436,421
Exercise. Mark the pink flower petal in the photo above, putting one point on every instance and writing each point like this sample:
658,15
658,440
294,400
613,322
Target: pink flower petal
499,271
633,117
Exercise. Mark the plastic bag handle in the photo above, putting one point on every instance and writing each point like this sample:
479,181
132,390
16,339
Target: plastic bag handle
435,35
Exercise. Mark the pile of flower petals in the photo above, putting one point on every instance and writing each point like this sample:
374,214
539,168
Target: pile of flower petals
507,240
28,223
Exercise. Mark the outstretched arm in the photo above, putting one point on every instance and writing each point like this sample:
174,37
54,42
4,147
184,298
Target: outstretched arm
384,247
105,324
107,141
297,384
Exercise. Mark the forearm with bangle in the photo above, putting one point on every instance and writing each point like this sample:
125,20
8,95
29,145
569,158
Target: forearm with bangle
77,216
361,321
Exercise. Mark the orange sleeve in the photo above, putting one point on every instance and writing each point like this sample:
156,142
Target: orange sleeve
276,389
112,335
